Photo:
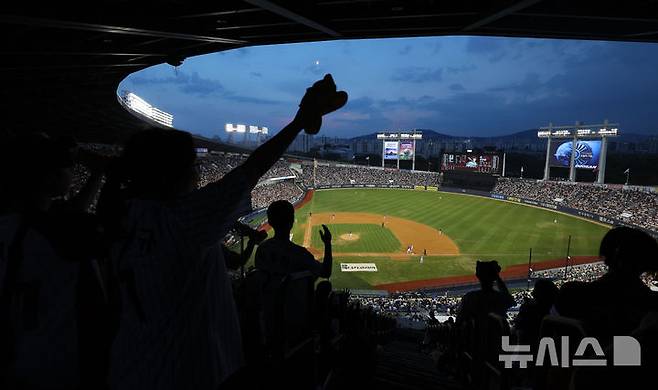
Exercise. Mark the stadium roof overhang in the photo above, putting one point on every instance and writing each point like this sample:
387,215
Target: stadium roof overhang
61,63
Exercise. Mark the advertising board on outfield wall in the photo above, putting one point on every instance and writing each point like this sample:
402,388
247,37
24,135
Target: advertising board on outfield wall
324,187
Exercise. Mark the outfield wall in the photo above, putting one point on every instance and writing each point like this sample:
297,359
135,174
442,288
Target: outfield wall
362,186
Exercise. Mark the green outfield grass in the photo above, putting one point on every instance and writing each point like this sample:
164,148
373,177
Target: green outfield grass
371,239
482,228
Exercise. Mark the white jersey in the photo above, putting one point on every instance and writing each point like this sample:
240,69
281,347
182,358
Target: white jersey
179,325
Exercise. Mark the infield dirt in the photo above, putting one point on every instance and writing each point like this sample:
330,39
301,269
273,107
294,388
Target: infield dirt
421,236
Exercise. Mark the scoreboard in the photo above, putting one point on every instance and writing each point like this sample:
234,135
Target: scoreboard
472,162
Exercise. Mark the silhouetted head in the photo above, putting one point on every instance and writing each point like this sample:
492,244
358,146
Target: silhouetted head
487,272
545,292
160,164
629,251
281,216
570,298
36,167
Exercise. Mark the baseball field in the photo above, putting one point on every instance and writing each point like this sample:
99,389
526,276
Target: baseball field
394,228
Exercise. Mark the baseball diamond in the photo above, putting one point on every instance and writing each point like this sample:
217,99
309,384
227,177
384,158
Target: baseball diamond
453,229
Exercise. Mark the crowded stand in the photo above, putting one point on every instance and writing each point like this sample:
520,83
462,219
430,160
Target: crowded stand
636,207
418,305
325,175
572,273
266,193
280,169
413,305
213,168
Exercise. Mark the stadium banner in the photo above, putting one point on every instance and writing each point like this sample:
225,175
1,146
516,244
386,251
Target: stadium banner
586,157
358,267
419,188
390,150
432,188
406,150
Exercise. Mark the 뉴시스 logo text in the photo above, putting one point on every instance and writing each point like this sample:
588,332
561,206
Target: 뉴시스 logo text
625,352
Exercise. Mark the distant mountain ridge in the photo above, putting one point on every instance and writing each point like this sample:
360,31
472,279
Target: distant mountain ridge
530,134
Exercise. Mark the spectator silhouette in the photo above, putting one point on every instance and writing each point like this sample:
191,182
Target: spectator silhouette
179,326
531,313
615,303
618,304
50,292
280,256
477,304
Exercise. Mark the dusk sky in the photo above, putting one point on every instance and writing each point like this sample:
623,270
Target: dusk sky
467,86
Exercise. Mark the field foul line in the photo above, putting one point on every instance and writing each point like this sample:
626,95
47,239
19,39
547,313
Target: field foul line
307,233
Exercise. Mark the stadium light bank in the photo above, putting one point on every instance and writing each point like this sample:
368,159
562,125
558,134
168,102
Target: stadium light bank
141,107
259,133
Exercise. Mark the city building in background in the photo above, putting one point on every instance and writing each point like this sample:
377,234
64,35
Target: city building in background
303,143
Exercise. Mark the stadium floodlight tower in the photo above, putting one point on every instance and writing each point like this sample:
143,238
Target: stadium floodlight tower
587,149
247,131
400,145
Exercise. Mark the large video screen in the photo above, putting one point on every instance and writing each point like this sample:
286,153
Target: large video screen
390,150
406,150
487,163
586,156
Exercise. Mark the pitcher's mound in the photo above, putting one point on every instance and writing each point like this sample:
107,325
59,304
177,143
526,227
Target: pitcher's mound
347,237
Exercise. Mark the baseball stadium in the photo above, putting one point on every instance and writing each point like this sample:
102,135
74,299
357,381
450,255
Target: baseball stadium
328,195
401,230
